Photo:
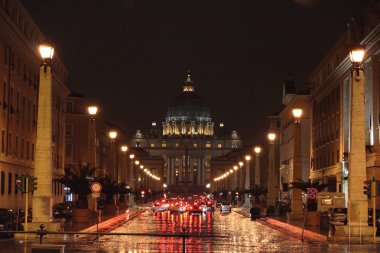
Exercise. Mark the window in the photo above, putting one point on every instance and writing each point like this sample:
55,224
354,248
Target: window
195,145
69,130
2,182
32,152
27,151
16,176
208,145
16,146
22,148
163,145
177,145
69,106
219,145
69,151
2,141
29,114
152,145
9,183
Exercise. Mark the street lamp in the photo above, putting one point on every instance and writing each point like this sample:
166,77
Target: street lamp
131,183
357,202
92,110
257,150
247,202
42,197
124,149
112,134
271,183
296,198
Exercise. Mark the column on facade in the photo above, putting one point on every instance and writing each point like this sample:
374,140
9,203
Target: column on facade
168,168
191,170
180,169
203,170
198,171
172,179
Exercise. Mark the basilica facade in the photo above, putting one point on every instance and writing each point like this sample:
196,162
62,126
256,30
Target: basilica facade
187,141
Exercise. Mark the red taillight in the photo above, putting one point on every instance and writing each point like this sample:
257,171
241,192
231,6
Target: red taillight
200,208
171,205
230,206
191,208
209,203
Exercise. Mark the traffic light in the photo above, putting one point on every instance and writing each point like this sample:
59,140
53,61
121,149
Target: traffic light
367,188
20,183
32,184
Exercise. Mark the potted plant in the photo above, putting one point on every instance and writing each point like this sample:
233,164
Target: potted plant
257,192
76,180
312,216
109,188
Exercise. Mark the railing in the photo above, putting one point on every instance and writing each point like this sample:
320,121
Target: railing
42,232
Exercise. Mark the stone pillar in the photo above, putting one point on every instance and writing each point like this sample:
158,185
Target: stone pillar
172,171
168,171
357,201
131,174
296,201
180,169
272,179
247,202
203,171
257,170
241,185
191,170
92,145
42,197
199,171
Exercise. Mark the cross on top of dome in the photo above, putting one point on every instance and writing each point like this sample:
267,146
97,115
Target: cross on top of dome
188,87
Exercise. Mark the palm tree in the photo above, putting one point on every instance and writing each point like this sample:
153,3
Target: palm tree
76,180
311,204
256,191
109,187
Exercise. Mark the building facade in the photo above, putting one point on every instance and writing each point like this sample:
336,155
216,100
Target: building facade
330,102
291,99
187,141
19,80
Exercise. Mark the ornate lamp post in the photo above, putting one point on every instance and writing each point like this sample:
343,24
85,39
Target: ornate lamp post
271,170
112,135
42,198
92,111
124,149
357,201
247,202
257,150
131,184
296,198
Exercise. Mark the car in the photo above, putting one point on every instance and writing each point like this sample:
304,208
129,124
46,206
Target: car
177,207
225,207
338,216
160,207
370,221
8,222
209,205
195,209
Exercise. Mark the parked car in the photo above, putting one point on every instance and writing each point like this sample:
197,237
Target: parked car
21,215
8,222
225,207
63,210
338,216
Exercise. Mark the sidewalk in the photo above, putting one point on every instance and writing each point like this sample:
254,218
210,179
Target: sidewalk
104,223
294,228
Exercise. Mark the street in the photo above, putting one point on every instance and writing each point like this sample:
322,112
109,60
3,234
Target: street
230,232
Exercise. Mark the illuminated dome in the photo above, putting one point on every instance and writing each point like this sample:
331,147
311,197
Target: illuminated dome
188,114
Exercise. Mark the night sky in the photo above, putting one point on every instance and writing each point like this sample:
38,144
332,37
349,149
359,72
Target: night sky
132,56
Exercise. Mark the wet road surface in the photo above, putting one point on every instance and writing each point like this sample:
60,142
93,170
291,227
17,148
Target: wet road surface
213,233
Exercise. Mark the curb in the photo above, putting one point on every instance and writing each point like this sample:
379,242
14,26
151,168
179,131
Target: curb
114,221
287,228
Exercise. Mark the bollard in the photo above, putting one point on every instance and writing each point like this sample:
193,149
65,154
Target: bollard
41,232
184,240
